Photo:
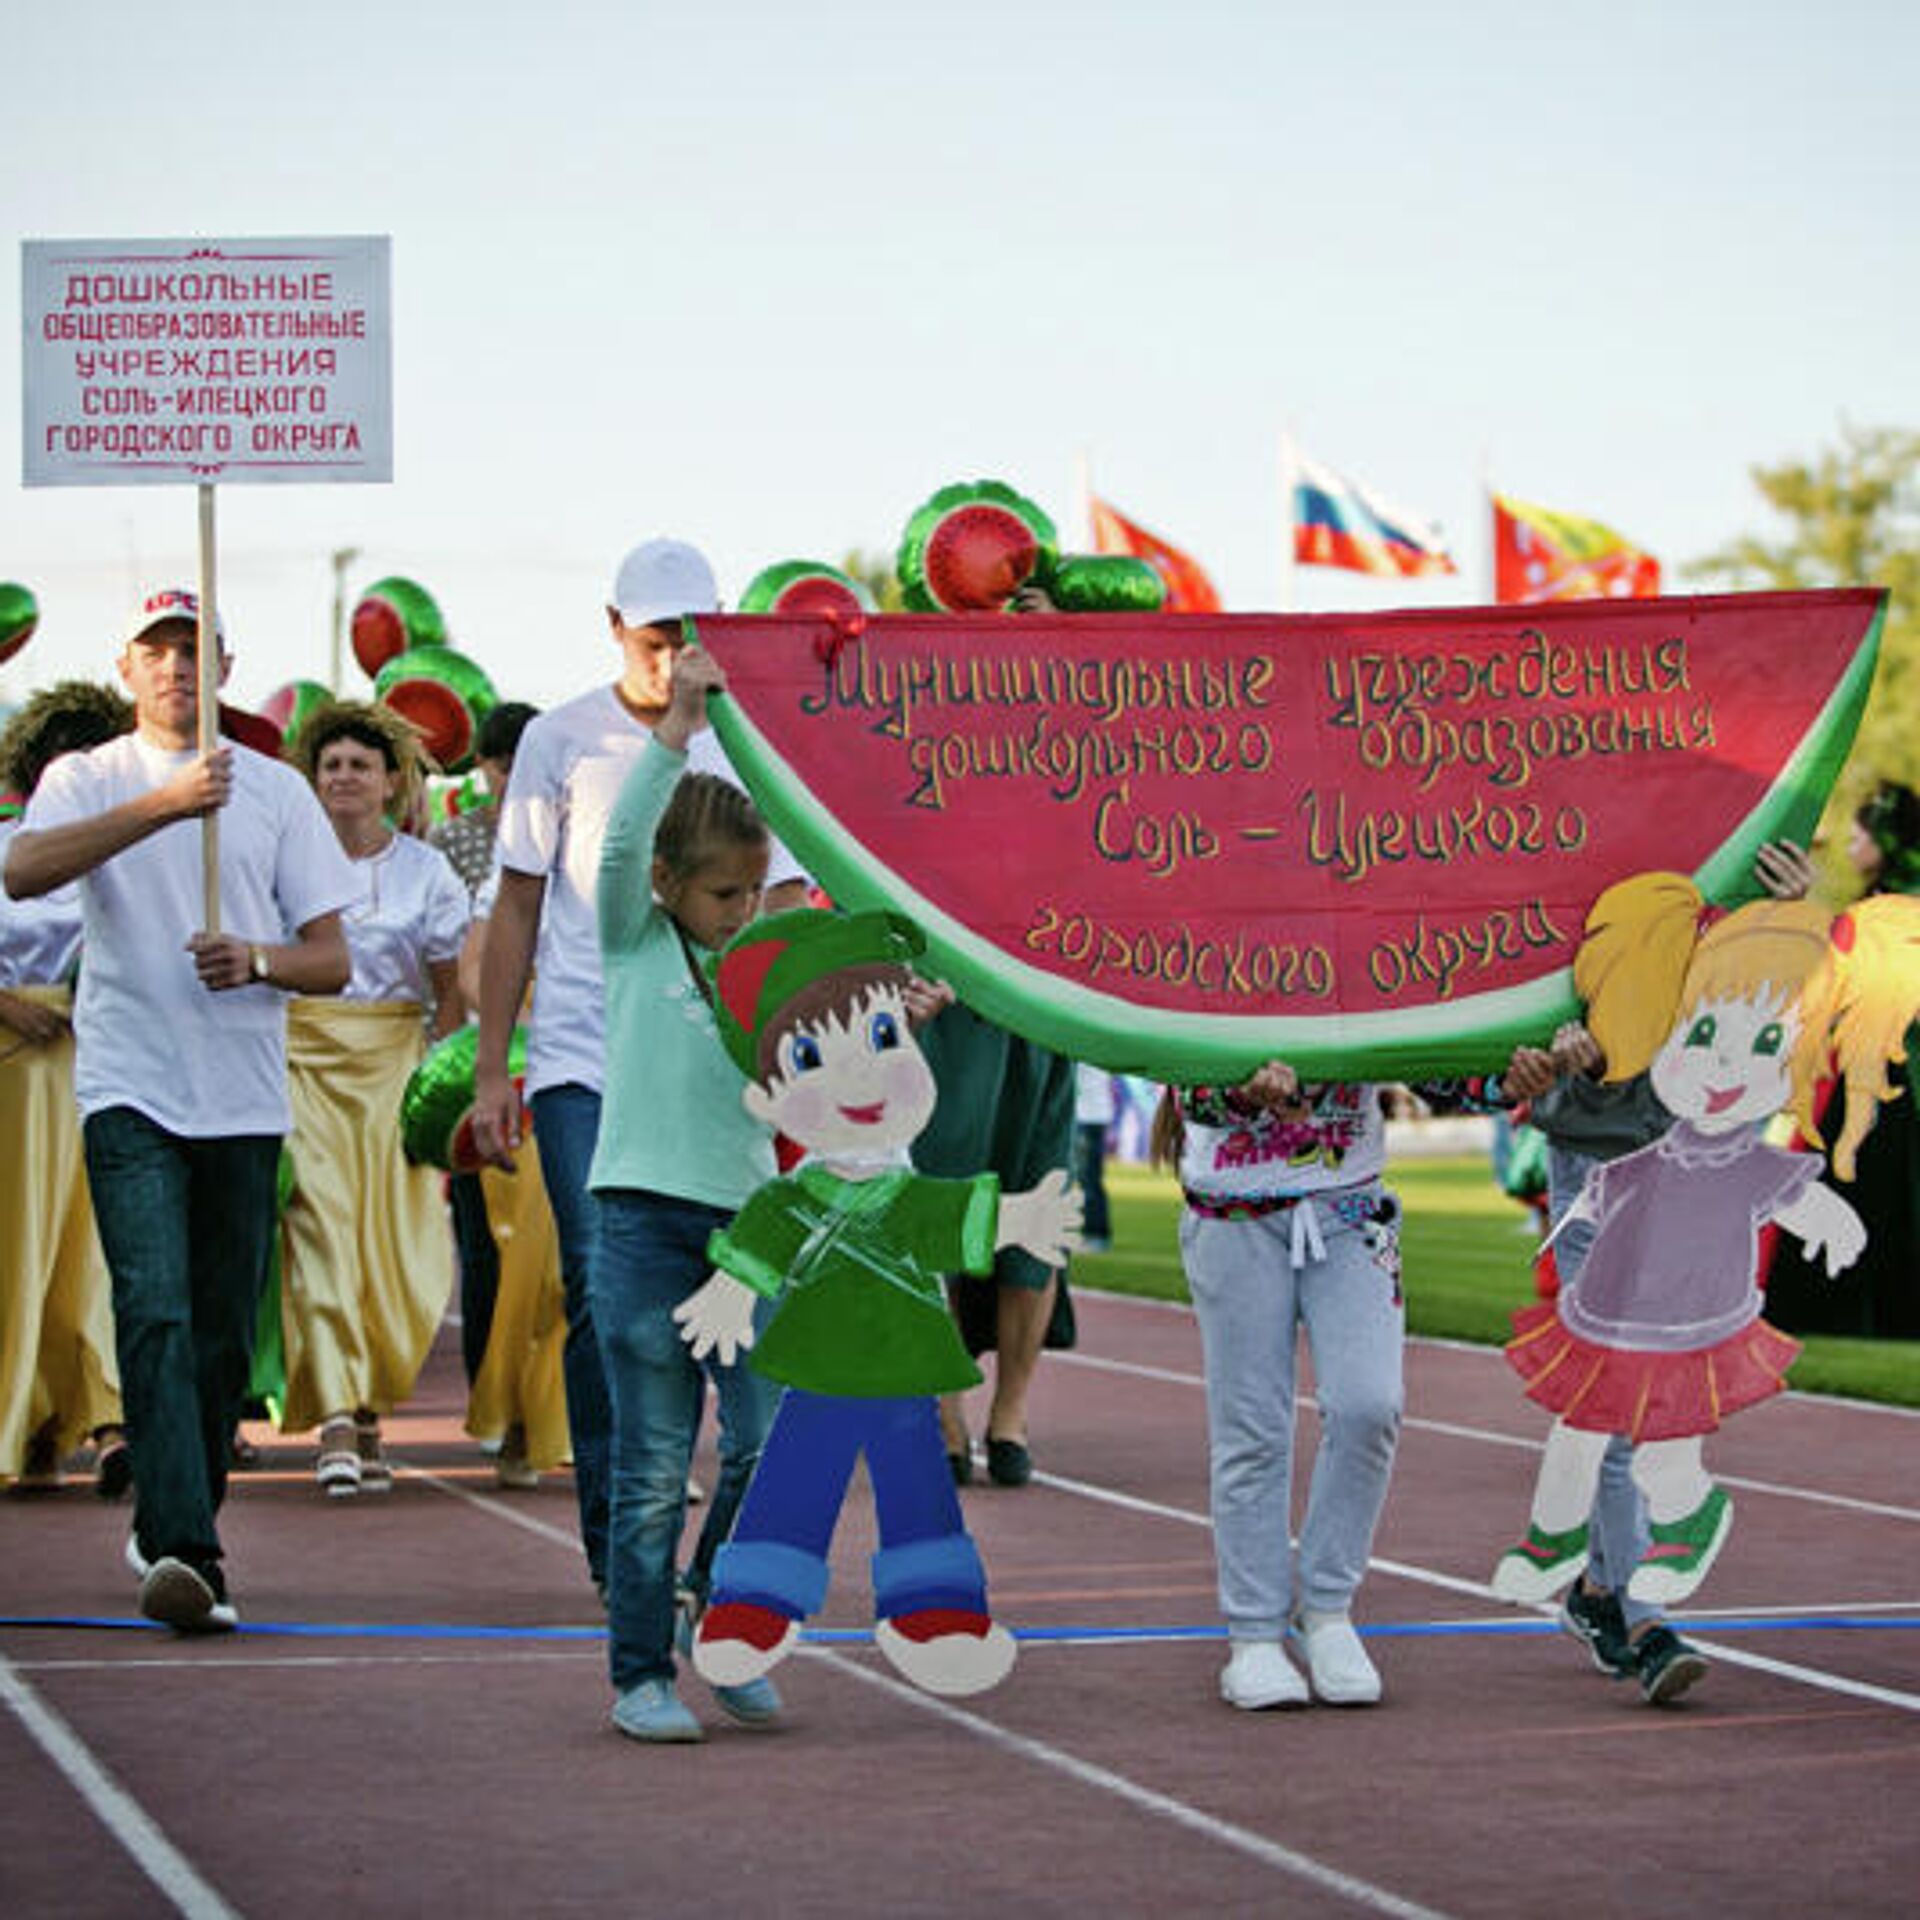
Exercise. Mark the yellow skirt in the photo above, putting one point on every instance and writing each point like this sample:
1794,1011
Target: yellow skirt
368,1248
56,1302
521,1382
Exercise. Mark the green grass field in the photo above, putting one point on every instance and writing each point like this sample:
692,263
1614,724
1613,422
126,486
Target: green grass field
1468,1263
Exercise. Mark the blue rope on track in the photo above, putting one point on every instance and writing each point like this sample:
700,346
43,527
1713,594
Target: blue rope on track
856,1636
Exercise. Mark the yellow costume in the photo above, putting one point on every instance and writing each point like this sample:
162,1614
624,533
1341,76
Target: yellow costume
368,1257
520,1382
56,1304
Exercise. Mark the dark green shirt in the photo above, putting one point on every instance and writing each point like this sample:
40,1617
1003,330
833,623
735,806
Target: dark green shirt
856,1267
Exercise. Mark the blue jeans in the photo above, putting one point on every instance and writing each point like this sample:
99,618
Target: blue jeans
777,1557
651,1254
187,1228
566,1124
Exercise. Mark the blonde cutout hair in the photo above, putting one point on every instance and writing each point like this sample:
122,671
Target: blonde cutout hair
1851,986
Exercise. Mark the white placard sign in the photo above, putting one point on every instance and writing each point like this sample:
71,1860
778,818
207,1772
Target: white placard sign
218,362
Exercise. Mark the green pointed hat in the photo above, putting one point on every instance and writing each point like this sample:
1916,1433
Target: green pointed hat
762,967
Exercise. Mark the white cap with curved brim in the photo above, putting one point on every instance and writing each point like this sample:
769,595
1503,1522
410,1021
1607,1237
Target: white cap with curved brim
172,603
661,580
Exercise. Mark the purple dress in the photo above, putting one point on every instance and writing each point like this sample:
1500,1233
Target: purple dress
1661,1336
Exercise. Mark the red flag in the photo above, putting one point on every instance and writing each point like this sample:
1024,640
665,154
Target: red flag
1188,588
1542,555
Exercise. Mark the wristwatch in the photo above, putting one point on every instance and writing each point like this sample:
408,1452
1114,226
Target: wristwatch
257,964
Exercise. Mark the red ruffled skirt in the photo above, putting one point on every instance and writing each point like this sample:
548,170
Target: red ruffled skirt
1646,1396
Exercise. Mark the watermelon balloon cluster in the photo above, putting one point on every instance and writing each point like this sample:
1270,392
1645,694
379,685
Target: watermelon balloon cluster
400,638
19,615
293,704
975,545
436,1110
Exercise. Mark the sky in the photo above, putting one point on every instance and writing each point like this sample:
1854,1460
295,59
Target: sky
766,276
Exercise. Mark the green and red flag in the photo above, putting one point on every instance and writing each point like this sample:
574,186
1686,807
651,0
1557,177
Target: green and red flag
1364,844
1540,555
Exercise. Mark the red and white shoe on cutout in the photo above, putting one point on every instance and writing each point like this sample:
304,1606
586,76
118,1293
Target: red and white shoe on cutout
739,1641
947,1649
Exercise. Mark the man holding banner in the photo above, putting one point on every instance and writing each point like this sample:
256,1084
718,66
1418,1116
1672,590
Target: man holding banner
180,1067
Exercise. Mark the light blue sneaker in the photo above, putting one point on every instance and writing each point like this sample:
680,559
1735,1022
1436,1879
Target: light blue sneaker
754,1703
652,1711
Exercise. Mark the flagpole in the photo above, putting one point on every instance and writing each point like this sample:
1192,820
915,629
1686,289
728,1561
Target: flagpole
1490,571
1287,482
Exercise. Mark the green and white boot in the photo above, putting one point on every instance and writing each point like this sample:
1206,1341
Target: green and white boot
1682,1552
1540,1565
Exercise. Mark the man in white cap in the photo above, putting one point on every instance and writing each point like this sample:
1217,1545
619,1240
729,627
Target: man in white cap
180,1065
570,765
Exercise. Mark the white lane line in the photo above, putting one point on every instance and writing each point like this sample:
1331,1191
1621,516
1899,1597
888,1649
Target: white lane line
1487,1436
153,1853
1298,1866
499,1509
1807,1676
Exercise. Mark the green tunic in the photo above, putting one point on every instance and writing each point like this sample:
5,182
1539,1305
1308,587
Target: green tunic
856,1266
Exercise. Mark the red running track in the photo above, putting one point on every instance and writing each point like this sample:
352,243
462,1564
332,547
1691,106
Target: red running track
446,1772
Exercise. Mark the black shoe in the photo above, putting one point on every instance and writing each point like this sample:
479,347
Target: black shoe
1596,1620
1009,1464
1666,1665
960,1465
113,1469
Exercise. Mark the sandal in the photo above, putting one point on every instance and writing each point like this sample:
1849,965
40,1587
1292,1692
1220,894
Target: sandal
376,1471
338,1467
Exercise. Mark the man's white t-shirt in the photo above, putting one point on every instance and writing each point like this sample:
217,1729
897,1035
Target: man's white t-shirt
147,1034
567,772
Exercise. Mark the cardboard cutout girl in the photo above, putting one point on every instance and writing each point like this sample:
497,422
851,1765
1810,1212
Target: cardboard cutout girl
853,1246
1660,1338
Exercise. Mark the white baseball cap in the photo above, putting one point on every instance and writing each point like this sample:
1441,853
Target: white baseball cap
662,579
172,603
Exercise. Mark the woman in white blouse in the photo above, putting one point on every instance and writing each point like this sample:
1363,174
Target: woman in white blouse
59,1381
368,1262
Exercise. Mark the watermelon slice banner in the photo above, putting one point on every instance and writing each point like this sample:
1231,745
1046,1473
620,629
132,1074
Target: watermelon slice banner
1364,844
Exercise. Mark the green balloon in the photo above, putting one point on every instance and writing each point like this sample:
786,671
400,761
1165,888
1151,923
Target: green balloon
19,615
436,1111
441,693
804,587
391,616
972,547
1105,583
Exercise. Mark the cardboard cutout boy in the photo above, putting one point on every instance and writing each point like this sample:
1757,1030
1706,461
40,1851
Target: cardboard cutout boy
852,1245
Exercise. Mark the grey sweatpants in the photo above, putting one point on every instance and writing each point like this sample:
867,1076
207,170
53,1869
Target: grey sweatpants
1255,1283
1617,1528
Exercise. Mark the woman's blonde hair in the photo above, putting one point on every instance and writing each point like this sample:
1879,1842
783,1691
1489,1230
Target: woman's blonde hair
1653,953
368,724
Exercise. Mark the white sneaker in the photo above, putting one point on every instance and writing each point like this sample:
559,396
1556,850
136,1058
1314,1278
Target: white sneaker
1258,1675
1337,1663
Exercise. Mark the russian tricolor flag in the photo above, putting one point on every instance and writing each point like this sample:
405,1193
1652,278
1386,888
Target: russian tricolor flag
1339,523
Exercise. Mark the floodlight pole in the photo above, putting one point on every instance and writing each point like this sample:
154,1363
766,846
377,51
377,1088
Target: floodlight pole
343,558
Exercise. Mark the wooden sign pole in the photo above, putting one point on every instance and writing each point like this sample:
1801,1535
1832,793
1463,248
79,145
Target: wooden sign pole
207,664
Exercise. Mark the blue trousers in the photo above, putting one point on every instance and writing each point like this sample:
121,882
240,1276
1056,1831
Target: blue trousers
187,1228
651,1254
777,1557
566,1124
